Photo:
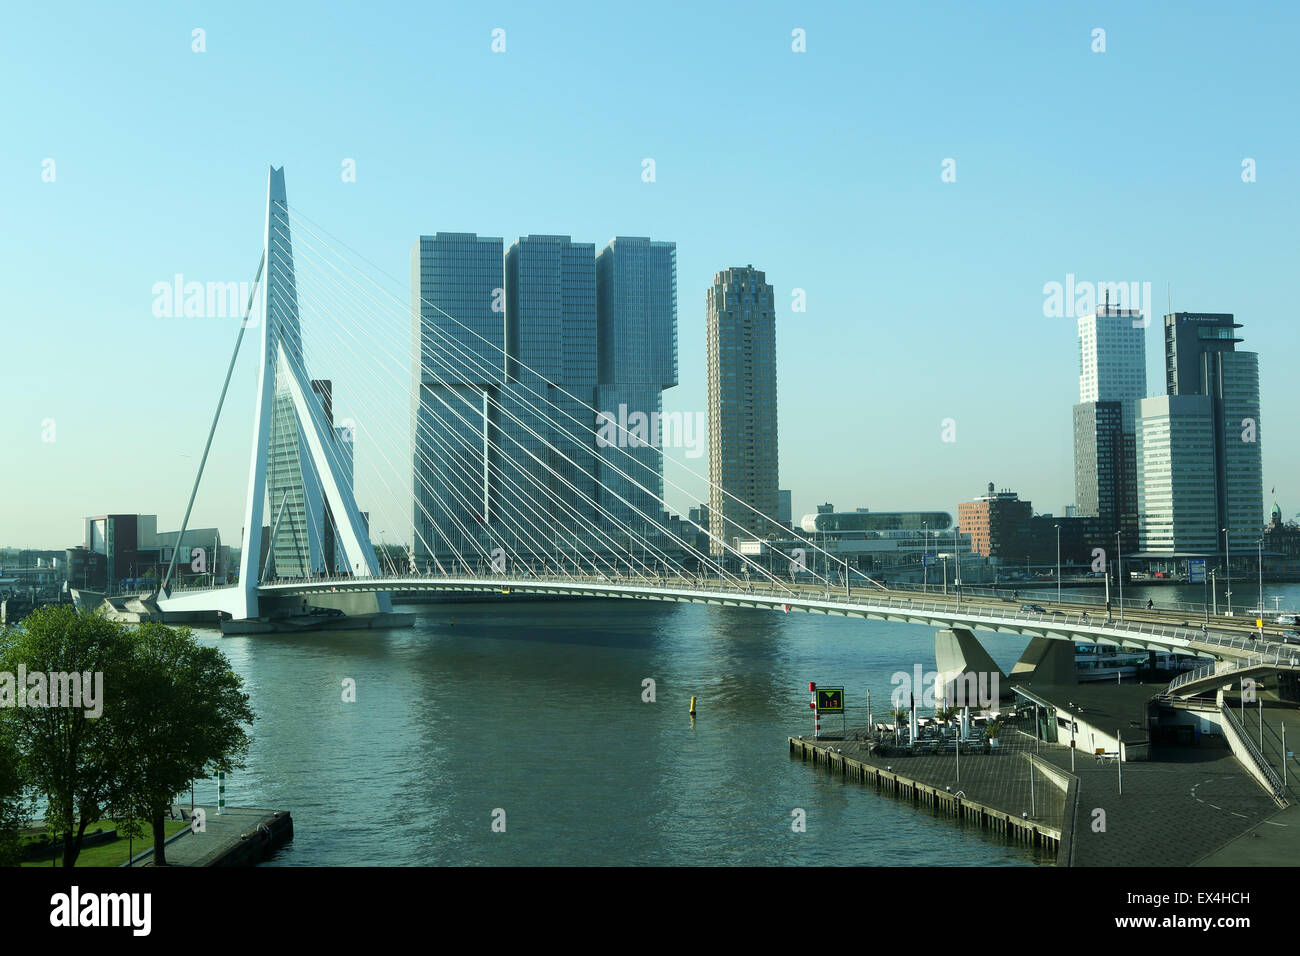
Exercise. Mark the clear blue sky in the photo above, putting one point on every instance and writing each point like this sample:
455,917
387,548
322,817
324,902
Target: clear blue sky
924,298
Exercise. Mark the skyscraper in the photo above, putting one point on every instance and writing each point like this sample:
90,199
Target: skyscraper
636,322
1201,359
547,441
1176,480
1112,382
741,346
513,349
457,341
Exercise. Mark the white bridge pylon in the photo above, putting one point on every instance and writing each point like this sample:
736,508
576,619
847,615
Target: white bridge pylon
278,315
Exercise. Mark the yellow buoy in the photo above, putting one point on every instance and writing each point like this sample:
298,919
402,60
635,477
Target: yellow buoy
692,706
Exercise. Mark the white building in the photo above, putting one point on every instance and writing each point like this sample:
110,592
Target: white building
1112,359
1176,475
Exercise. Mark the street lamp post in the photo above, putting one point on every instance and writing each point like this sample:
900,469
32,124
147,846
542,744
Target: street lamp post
1261,585
1119,553
1058,564
1227,568
925,553
956,571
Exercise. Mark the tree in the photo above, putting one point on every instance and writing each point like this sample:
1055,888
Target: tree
901,717
183,716
68,754
15,809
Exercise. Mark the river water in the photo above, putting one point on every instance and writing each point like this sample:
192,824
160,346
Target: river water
535,708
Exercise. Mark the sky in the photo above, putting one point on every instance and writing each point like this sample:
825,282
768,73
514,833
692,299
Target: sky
921,172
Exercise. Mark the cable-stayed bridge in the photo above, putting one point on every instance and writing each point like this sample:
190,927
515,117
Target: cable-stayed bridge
512,491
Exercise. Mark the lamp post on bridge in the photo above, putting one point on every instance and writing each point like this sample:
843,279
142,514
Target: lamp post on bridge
1261,586
1058,564
1119,554
956,574
1227,567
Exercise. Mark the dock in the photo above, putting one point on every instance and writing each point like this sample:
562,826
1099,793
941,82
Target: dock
1185,806
993,792
238,836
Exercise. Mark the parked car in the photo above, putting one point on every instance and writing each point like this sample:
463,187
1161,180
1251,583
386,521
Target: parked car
1291,637
1033,607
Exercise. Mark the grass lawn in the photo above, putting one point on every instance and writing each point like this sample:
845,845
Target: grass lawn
113,853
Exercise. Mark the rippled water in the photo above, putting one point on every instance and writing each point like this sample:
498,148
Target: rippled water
535,708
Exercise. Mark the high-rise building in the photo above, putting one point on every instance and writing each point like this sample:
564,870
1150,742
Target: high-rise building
1176,481
458,342
547,440
1103,460
636,321
1201,359
785,507
1112,381
1112,359
741,346
514,348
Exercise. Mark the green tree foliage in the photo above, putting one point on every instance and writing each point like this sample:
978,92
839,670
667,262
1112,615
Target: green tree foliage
67,755
183,715
172,711
15,808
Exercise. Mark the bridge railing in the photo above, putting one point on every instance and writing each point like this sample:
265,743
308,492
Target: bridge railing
1204,640
1265,768
1272,657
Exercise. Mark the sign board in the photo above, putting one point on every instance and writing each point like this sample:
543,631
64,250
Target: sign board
930,560
1196,571
830,700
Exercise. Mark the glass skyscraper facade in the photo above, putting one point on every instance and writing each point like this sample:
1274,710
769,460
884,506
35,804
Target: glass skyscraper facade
741,355
1201,358
1176,480
1112,383
636,319
546,441
1201,453
544,334
457,342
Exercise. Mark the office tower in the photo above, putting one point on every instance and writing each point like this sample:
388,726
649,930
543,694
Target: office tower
1112,359
1112,381
457,341
1176,480
741,345
1101,457
547,432
784,507
1201,359
636,323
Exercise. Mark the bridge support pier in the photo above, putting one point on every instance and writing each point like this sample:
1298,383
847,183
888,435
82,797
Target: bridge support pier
1046,660
966,670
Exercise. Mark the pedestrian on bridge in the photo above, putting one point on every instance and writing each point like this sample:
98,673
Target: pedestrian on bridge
1150,604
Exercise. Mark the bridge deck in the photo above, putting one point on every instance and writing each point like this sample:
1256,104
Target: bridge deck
1161,630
